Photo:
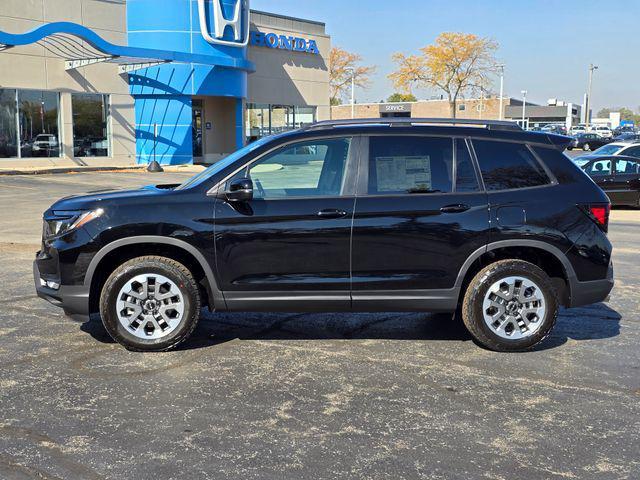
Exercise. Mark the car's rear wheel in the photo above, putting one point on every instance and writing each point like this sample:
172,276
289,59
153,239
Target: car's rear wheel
586,147
150,304
510,306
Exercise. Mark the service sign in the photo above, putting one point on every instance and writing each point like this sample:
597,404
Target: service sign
283,42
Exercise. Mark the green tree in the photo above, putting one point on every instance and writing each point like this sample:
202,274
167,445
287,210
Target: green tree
604,112
401,97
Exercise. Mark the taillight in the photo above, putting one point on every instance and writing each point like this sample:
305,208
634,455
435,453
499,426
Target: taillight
599,213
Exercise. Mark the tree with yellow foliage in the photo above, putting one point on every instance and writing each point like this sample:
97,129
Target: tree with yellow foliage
457,63
342,65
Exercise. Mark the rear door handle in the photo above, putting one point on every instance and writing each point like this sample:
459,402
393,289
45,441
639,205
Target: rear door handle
332,213
457,208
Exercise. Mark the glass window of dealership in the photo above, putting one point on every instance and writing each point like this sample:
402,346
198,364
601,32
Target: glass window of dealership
186,112
30,124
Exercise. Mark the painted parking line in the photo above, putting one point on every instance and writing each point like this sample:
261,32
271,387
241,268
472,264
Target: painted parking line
5,185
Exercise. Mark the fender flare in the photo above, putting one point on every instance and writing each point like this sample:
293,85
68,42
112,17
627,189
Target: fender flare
556,252
216,296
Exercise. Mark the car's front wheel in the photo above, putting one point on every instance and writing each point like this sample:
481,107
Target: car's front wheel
586,147
510,306
150,304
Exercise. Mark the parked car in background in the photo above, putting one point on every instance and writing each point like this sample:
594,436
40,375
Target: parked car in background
578,130
555,128
627,137
624,129
587,142
46,145
602,130
629,149
618,176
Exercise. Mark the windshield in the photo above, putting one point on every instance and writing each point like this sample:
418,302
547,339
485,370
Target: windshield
608,150
224,163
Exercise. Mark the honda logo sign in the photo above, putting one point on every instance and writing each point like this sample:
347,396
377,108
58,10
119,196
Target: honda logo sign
238,23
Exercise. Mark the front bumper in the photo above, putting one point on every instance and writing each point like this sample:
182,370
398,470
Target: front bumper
73,299
595,291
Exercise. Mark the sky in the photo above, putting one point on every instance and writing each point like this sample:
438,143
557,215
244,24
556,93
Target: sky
546,45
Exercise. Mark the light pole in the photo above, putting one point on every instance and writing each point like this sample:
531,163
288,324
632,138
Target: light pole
587,107
353,92
500,68
524,106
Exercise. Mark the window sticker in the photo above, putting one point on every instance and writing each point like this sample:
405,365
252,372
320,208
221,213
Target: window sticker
403,173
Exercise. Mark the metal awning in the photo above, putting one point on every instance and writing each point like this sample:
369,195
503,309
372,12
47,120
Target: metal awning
81,47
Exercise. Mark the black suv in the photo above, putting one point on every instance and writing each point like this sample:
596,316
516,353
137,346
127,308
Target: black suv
365,216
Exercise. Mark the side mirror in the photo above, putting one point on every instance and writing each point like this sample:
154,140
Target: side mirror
240,190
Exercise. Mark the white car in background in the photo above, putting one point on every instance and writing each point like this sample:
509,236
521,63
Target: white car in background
603,130
45,142
577,130
628,149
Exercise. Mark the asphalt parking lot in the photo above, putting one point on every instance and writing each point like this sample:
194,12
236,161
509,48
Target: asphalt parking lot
287,396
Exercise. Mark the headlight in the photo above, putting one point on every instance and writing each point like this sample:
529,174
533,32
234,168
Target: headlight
61,222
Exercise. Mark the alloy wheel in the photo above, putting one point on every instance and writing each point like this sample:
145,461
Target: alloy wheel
150,306
514,308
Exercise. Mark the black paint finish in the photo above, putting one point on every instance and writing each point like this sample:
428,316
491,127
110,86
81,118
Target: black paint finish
334,253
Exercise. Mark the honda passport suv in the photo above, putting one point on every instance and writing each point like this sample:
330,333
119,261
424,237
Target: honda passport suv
483,219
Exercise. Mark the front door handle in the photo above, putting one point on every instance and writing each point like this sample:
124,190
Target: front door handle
457,208
332,213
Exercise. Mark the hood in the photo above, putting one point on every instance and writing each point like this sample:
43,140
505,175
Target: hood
97,198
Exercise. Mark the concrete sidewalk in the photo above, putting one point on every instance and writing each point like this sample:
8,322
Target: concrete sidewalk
83,169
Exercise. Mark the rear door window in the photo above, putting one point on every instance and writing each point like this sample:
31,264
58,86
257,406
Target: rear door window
506,165
601,167
410,165
624,167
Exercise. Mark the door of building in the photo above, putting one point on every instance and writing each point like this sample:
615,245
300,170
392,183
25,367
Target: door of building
197,130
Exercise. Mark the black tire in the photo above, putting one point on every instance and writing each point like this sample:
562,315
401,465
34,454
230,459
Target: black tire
586,147
174,271
472,305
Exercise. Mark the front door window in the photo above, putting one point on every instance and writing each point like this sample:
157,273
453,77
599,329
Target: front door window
308,169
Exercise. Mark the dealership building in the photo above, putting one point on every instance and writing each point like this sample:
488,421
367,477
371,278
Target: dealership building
487,108
115,82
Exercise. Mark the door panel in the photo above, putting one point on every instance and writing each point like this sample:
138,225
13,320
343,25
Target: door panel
293,238
624,185
409,242
601,172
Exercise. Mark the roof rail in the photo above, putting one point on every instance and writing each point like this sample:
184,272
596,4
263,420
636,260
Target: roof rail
404,121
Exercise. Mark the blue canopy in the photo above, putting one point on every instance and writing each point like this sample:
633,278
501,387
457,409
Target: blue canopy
63,39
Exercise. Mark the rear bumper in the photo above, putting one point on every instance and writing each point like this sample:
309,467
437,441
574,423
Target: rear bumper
595,291
74,300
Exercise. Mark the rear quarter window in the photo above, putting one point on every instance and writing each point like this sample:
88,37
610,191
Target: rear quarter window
561,166
507,166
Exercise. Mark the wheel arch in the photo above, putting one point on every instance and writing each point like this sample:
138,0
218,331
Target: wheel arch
534,251
125,249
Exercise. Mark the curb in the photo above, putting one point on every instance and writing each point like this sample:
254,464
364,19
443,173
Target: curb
61,170
45,171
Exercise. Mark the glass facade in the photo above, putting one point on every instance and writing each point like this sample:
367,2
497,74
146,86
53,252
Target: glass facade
264,119
8,124
39,123
90,125
29,123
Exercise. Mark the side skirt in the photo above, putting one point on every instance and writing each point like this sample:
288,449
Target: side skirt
358,301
